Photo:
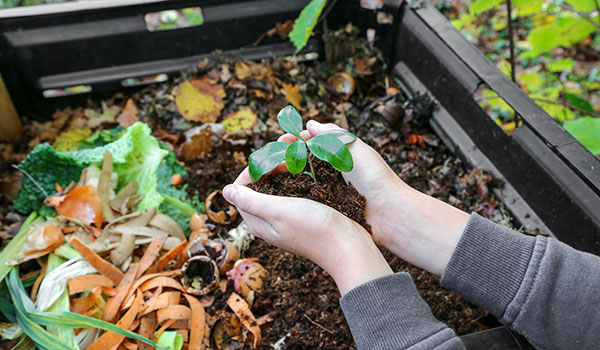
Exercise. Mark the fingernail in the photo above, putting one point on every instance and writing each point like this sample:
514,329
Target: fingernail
229,193
312,122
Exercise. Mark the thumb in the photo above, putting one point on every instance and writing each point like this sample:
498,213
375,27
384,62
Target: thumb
315,128
252,202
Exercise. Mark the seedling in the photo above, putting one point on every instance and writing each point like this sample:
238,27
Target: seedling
329,146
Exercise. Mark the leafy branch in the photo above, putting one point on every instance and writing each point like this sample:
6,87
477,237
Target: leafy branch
544,100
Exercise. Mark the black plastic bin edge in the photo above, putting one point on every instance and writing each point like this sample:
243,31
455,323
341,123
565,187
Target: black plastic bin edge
447,123
554,193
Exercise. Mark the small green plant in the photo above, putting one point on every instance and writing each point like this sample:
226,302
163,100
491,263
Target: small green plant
330,147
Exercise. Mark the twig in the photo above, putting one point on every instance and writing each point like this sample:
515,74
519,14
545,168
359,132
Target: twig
565,104
32,180
327,10
511,40
597,3
583,15
317,324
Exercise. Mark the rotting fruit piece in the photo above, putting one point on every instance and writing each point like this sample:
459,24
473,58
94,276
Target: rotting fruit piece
329,147
247,276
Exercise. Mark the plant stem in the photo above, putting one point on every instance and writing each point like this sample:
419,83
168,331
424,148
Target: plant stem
312,169
511,40
326,12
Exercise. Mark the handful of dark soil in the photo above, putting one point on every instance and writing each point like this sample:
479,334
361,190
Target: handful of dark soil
330,189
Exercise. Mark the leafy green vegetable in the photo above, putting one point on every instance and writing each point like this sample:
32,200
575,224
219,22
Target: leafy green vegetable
266,159
305,23
102,138
296,156
136,156
15,245
330,149
587,131
47,167
141,164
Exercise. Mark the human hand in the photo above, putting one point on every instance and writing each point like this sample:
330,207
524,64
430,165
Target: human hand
339,245
420,229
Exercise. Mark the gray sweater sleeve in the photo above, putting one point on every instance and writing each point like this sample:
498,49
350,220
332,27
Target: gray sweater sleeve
540,287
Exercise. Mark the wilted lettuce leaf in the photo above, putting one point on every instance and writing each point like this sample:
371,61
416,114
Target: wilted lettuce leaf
47,167
136,155
141,164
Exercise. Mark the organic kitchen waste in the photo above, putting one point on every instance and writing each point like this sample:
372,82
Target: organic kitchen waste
115,234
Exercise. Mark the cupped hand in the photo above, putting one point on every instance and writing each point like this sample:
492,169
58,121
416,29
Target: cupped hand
310,229
420,229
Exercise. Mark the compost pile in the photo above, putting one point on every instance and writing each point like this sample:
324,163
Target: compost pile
114,227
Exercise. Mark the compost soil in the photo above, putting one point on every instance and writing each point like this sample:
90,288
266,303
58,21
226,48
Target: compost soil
302,300
329,189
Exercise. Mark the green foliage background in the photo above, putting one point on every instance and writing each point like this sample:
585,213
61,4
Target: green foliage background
557,57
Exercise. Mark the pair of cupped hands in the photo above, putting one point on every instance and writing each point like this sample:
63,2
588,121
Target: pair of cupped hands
419,229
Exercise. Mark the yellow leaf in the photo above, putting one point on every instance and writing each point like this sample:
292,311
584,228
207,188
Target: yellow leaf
71,139
292,95
241,120
199,100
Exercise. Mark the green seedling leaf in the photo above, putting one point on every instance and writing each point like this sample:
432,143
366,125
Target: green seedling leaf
290,121
587,131
331,150
296,156
305,23
266,159
343,135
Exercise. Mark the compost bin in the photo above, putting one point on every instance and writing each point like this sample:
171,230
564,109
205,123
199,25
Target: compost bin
551,183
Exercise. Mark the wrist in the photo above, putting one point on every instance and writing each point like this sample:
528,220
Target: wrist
423,230
357,261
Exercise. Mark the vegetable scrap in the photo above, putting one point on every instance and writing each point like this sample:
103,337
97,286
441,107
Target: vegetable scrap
132,245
